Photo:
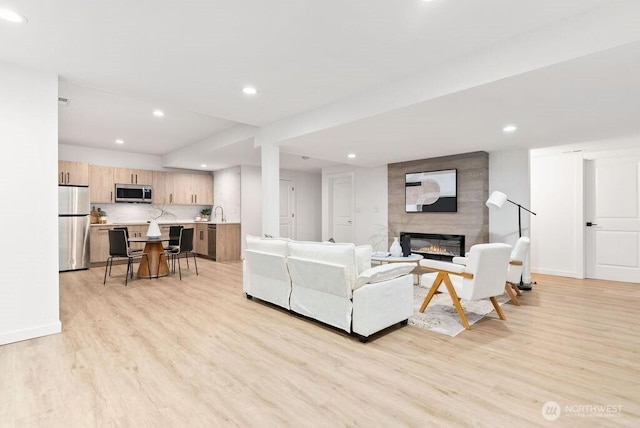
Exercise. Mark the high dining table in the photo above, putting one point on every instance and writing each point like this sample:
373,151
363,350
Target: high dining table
154,250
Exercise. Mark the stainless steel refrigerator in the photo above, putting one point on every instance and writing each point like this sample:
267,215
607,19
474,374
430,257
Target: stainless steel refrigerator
73,227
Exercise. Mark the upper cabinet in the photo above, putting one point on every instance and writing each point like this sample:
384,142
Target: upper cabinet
162,188
101,184
202,189
193,189
73,173
182,188
133,176
169,188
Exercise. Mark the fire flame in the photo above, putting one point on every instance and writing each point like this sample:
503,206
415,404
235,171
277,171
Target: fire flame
435,250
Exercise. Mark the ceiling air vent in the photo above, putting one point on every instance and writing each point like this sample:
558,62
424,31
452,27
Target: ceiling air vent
63,101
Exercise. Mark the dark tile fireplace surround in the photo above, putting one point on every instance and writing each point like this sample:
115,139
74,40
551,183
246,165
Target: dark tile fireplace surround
436,246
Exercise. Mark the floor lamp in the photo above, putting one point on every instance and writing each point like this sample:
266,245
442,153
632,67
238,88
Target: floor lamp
497,200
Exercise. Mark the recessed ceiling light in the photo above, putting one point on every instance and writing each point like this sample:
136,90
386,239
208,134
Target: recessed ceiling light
351,155
249,90
158,113
119,141
509,128
11,16
203,165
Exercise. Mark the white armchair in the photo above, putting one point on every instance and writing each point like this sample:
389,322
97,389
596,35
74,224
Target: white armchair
516,264
483,276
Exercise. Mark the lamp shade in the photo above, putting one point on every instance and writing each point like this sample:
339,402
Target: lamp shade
497,199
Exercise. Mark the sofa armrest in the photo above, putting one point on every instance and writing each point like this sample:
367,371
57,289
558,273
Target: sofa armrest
384,272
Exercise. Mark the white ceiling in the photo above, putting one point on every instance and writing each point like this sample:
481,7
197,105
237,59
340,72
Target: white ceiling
118,60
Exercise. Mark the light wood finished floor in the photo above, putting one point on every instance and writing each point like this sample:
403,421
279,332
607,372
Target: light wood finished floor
197,353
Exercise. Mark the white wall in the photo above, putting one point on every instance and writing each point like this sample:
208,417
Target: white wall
251,201
509,173
370,204
557,233
557,194
308,194
226,193
29,261
308,202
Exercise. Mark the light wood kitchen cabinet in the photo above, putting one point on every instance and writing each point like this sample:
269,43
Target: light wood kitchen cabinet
164,228
202,186
76,173
192,189
183,193
133,176
178,188
99,243
227,241
202,239
162,188
137,231
101,184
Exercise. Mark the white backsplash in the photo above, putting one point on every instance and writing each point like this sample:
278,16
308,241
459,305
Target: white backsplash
122,213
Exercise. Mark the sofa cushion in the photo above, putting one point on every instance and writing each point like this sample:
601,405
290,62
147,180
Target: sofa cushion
384,272
275,246
338,254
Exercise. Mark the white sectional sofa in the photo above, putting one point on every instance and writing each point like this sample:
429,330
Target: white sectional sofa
332,283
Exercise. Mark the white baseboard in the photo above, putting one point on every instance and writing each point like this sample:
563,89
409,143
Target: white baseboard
568,274
30,333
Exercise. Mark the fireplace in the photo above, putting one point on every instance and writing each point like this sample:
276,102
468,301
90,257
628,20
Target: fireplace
436,245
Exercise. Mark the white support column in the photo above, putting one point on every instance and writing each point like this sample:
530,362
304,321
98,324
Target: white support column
270,188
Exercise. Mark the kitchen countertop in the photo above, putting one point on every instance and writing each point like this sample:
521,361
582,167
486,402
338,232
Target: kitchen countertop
142,223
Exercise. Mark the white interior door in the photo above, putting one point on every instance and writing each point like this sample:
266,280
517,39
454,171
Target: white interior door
287,209
613,219
341,208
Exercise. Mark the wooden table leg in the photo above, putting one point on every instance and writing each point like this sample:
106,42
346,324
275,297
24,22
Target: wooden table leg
157,261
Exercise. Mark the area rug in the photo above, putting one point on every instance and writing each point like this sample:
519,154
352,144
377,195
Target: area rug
441,317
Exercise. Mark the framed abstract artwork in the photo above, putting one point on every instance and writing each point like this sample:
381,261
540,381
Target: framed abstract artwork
431,192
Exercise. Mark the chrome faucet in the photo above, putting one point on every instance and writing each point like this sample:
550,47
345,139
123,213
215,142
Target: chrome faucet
215,213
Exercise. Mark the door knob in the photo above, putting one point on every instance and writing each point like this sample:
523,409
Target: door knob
591,224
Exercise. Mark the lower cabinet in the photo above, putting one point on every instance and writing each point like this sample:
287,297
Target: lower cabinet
226,239
164,229
202,239
137,231
227,242
99,243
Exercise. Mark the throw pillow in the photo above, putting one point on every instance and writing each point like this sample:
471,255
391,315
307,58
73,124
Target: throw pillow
384,273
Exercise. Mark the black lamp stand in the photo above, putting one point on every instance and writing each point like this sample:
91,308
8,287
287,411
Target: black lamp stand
522,285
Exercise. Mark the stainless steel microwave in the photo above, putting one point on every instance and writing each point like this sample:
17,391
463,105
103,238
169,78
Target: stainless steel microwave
133,193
